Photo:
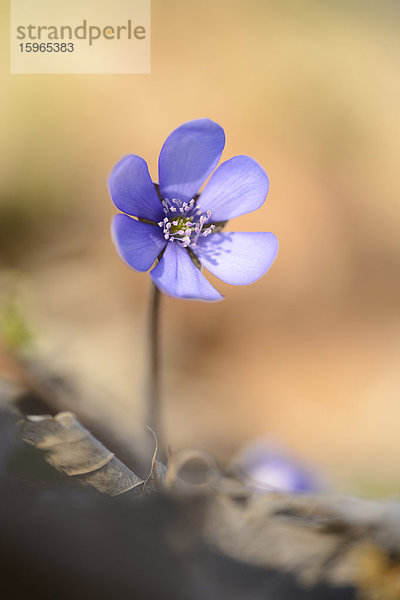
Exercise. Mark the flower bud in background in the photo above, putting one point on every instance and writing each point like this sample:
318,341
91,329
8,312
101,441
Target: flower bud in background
263,466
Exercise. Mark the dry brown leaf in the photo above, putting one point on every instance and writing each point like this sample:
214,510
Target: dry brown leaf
72,449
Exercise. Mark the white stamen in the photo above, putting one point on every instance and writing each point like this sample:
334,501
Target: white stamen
192,223
186,241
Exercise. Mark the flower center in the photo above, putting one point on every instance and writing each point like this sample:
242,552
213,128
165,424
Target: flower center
180,224
184,222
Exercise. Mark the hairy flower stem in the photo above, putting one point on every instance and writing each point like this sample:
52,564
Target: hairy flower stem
153,390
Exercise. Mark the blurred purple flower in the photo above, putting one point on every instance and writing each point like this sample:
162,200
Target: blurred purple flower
264,467
172,223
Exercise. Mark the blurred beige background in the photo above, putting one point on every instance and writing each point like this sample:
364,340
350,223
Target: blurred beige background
309,354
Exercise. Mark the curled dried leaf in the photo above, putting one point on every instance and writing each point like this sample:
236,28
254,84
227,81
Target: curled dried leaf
72,449
192,469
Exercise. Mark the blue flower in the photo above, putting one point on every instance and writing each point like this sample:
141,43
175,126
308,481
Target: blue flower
173,223
264,467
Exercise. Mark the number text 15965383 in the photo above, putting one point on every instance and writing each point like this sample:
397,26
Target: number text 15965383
47,47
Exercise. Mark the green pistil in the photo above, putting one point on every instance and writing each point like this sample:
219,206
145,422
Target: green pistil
182,223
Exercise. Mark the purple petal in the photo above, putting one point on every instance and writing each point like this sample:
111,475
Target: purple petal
265,467
188,156
237,258
177,276
138,243
237,187
132,190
